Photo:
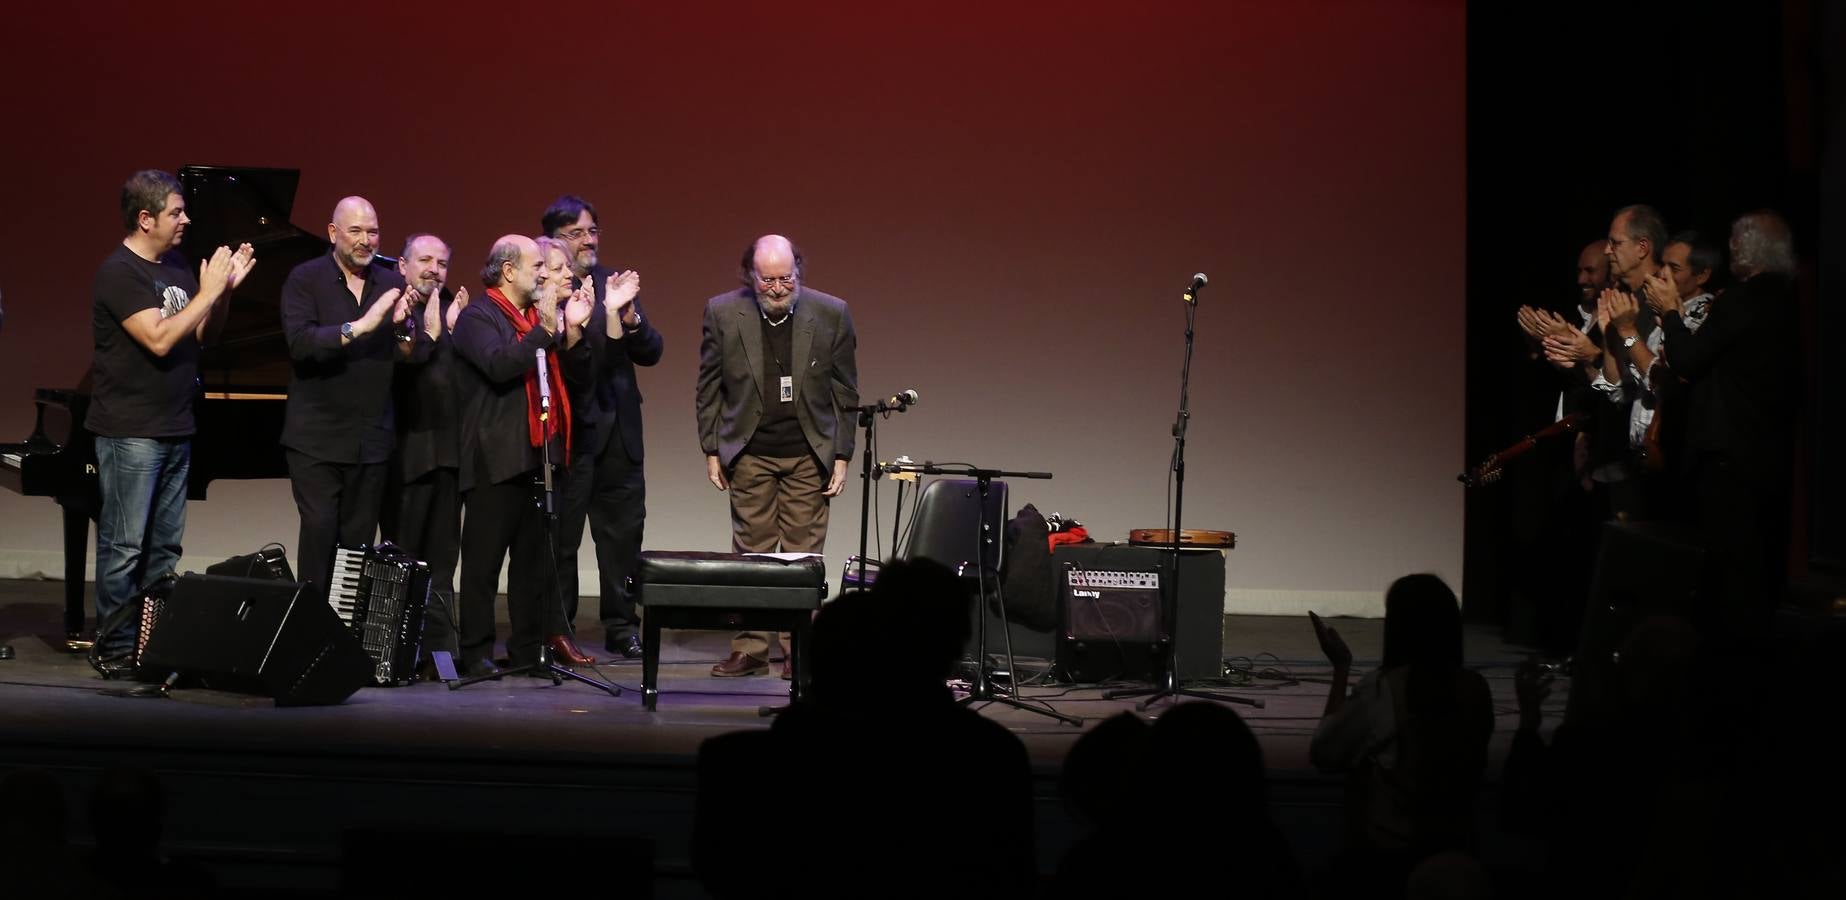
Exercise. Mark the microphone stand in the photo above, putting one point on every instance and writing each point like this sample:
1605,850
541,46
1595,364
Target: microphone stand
1170,685
547,503
868,470
982,690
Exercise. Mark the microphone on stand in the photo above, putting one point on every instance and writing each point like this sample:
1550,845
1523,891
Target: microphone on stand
899,402
1198,282
544,373
544,385
898,469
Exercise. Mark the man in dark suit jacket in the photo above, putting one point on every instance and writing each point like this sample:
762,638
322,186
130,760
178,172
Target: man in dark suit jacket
1743,374
341,314
421,513
778,381
606,483
498,339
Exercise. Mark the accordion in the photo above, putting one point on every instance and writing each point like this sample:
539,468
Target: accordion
380,593
147,610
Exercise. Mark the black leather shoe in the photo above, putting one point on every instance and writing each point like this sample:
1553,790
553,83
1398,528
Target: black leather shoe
482,666
116,668
626,645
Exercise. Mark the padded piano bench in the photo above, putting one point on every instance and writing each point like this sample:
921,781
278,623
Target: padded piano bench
729,591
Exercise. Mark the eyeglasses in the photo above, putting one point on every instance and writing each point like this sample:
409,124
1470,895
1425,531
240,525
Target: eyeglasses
771,280
578,234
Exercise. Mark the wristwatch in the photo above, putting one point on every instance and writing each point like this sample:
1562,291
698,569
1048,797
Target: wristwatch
636,326
1629,341
346,331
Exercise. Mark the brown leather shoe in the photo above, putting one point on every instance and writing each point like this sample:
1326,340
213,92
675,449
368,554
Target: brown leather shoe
738,665
565,650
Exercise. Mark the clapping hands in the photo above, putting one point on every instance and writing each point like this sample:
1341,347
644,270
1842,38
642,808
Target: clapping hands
1662,293
455,307
577,309
619,291
1331,644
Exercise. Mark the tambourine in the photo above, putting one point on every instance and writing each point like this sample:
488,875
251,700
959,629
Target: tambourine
1188,537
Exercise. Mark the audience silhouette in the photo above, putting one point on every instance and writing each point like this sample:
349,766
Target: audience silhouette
1411,740
955,818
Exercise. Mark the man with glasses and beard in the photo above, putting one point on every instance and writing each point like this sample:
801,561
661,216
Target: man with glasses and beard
421,512
340,314
778,380
606,483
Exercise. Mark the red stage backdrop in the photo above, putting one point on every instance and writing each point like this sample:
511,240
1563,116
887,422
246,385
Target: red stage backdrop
1010,196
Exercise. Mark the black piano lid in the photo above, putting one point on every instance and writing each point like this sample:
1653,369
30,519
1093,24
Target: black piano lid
231,205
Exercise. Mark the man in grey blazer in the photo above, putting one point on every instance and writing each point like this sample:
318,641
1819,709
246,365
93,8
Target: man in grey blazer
778,381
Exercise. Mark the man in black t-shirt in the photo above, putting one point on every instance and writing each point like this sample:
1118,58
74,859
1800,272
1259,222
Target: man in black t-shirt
149,318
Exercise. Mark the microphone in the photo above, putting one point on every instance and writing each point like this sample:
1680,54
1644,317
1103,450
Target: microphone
896,469
1198,281
544,384
899,402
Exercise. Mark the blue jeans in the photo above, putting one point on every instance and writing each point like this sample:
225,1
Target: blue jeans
138,534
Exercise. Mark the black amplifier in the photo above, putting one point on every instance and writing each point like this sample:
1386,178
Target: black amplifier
1110,622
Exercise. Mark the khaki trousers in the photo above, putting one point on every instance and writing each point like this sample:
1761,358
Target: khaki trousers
777,505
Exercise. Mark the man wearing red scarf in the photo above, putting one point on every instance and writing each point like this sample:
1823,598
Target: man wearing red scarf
505,431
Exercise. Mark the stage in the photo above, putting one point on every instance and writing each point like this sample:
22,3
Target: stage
262,795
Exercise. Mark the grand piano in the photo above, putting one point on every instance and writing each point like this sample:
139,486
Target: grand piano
243,376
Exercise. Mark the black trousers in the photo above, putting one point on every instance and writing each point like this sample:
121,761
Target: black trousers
610,491
1557,573
1745,525
338,503
505,518
423,518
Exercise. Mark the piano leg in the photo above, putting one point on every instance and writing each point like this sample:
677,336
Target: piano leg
76,554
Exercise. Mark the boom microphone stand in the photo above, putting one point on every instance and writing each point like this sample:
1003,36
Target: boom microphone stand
1170,685
547,501
982,690
868,420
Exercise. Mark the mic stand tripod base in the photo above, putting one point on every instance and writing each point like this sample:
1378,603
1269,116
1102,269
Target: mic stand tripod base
1175,690
543,664
541,667
983,692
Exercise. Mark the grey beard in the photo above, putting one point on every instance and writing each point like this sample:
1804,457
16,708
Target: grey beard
776,307
352,259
